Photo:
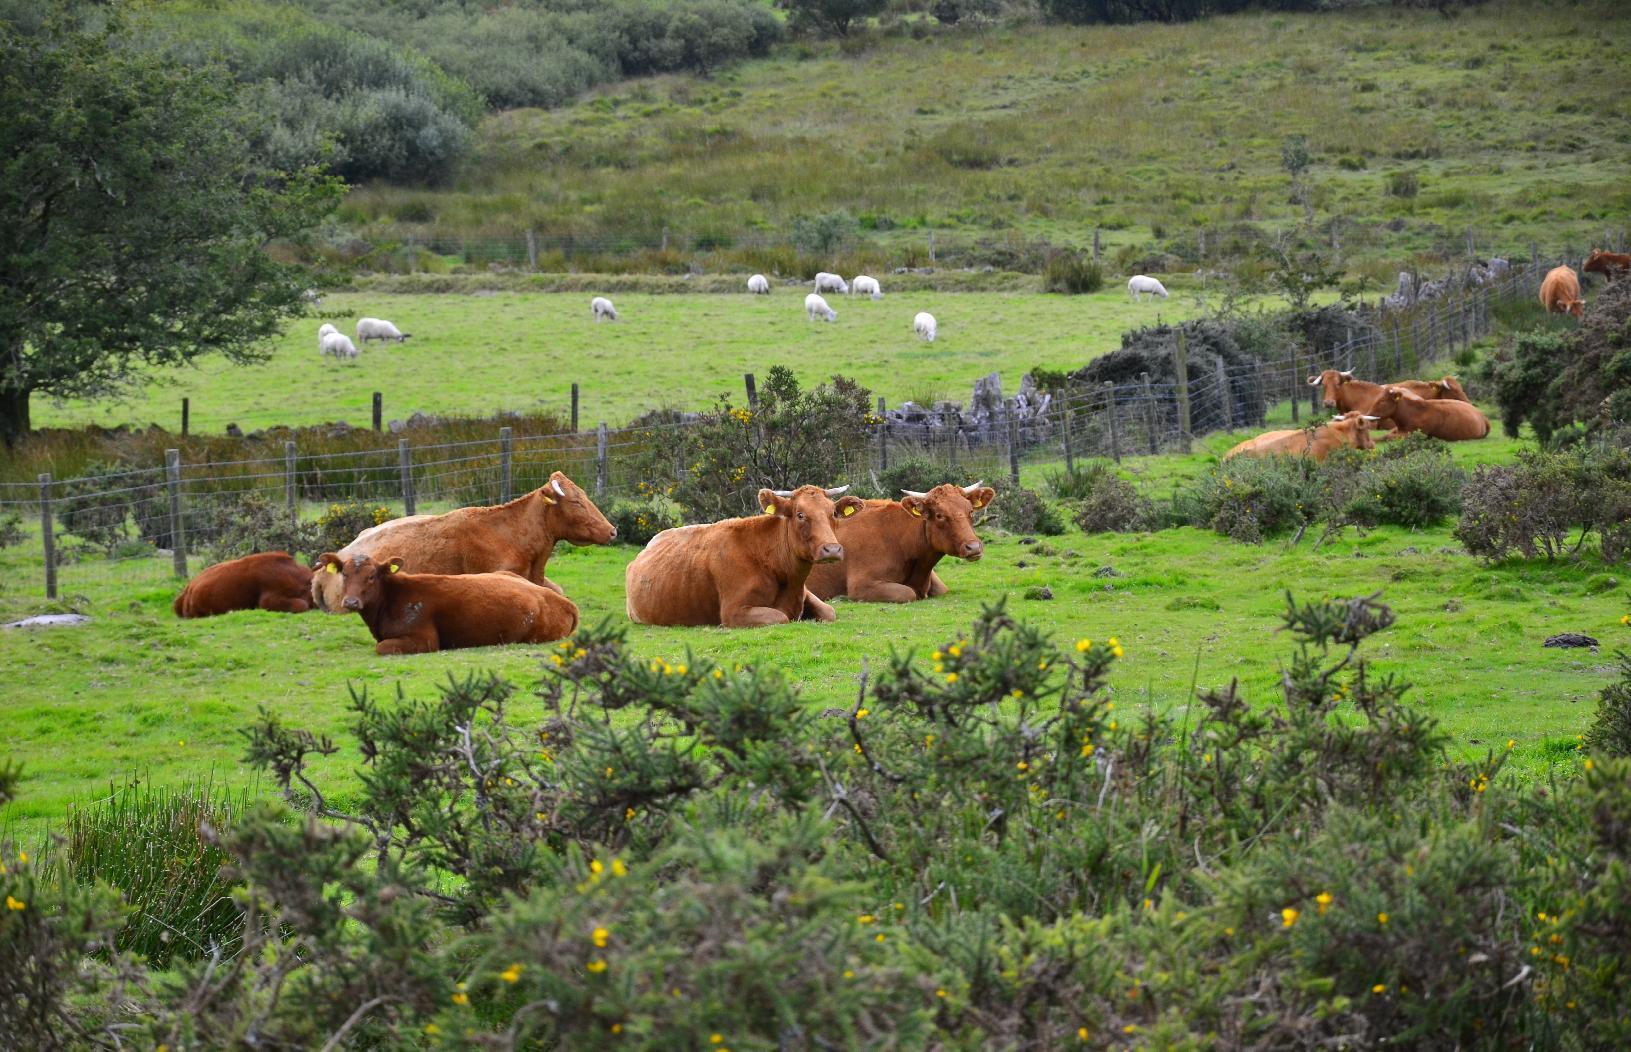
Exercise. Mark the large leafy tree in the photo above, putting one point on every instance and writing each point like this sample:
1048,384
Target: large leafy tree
134,223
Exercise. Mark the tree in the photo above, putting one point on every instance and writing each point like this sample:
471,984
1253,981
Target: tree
834,15
134,224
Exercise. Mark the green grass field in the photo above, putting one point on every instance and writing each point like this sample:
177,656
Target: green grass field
476,355
1512,124
139,694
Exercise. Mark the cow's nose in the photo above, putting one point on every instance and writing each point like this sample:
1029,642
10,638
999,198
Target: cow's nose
1330,403
352,603
830,553
973,549
613,536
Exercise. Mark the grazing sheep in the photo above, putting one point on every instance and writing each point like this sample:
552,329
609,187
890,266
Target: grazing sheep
322,331
379,329
759,285
815,307
337,344
925,325
826,282
864,285
1138,284
601,307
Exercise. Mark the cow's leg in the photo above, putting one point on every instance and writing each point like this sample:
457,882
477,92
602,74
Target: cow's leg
423,643
752,617
884,592
936,586
284,604
815,609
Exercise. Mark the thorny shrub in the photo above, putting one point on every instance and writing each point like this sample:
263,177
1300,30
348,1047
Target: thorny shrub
1024,510
1535,506
640,518
991,847
1102,501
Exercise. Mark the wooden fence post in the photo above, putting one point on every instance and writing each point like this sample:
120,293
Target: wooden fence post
405,462
574,408
186,416
600,461
1098,246
1226,399
1398,352
532,251
883,437
505,489
951,457
1065,420
1013,443
48,535
1296,380
290,489
1115,427
178,540
753,391
1149,413
1181,360
379,409
1415,342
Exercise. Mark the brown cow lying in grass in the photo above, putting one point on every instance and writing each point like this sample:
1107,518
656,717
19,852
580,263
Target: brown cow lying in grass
1560,292
741,573
890,552
264,581
1610,265
1450,420
1346,394
519,537
418,613
1348,431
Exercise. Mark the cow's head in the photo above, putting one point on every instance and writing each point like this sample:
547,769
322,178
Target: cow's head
327,588
1576,307
1331,380
808,514
571,514
1355,429
1390,400
360,578
947,512
1449,388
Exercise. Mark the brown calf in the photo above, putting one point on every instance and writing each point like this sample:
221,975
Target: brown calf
264,581
741,573
1441,418
1560,292
519,537
1349,431
418,613
1610,265
890,552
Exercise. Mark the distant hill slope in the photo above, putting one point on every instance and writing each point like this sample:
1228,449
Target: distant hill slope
1499,122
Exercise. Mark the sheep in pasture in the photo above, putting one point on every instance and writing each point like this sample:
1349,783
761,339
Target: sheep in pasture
1138,284
322,332
379,329
825,282
759,285
925,325
601,307
337,344
864,285
816,307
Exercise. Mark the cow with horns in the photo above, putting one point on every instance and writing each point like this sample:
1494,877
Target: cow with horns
890,553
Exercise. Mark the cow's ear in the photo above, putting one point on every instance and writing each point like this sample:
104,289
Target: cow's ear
393,564
769,503
982,496
329,562
913,505
844,507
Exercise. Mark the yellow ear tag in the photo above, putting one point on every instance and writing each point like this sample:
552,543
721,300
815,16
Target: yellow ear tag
547,499
918,512
849,509
770,509
332,568
979,504
395,567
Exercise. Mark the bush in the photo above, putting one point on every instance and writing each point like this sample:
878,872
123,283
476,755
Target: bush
1403,184
1574,380
1533,507
1411,482
340,524
1024,510
11,530
641,518
1610,730
1074,273
1251,498
918,474
822,235
1103,501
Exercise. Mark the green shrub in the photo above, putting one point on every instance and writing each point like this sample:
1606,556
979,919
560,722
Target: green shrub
1024,510
1412,482
915,473
1535,506
1404,184
1610,731
340,523
1251,498
1103,501
639,519
1074,273
11,530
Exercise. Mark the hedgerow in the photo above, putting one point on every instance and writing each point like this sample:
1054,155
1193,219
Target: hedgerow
990,848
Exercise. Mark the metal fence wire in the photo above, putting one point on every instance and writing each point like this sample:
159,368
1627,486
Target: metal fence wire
147,526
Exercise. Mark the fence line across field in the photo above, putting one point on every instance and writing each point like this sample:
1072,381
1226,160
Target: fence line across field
1086,420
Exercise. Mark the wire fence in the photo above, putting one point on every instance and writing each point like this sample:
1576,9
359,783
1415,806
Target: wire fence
110,533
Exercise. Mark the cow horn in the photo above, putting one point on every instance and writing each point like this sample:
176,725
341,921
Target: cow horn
556,483
837,491
1346,374
913,493
1372,419
1313,381
783,493
968,491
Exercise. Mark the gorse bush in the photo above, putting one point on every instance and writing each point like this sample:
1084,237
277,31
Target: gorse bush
1072,272
1024,510
1610,731
1102,501
1573,380
988,849
1535,506
639,519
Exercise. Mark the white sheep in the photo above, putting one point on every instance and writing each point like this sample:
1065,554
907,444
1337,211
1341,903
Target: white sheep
322,331
1138,284
925,325
864,285
601,307
379,329
759,285
816,307
337,344
825,282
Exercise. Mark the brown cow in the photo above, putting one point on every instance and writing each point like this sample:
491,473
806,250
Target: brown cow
1349,395
890,552
1348,431
1560,292
519,537
1610,265
1441,418
264,581
741,573
411,613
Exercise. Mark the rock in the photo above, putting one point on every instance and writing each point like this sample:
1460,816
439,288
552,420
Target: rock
1107,571
396,427
1022,564
1570,639
1041,591
421,420
49,621
1452,606
1409,551
234,431
834,713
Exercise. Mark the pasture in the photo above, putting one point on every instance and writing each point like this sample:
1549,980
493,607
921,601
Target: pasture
140,695
476,355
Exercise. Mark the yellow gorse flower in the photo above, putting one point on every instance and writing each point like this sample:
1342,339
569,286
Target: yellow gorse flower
596,966
15,904
600,936
1324,900
512,974
1288,916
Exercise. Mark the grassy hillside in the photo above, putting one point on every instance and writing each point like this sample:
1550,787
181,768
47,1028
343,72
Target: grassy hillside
1511,126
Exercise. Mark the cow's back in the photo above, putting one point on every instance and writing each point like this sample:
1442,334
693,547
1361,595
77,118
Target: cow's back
242,584
425,543
671,581
872,544
486,609
1271,443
